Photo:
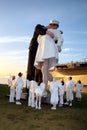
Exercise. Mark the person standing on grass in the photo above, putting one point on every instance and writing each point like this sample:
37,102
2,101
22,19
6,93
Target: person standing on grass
54,93
12,84
31,97
39,93
69,91
19,87
61,93
79,87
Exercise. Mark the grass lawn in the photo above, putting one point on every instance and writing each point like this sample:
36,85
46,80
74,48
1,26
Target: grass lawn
13,117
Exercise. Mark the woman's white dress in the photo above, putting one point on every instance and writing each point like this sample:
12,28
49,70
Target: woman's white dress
69,90
79,87
40,89
47,49
32,87
12,91
54,93
19,87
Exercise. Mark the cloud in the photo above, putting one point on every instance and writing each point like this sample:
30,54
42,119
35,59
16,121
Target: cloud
13,53
77,32
17,52
66,49
9,39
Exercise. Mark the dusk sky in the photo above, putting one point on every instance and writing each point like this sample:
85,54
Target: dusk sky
18,19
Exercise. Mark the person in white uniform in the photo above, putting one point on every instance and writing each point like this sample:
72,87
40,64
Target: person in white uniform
79,87
12,84
19,87
47,52
39,93
69,91
54,94
31,97
61,93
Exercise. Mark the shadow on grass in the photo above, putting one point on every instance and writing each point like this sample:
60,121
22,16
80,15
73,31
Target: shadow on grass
82,103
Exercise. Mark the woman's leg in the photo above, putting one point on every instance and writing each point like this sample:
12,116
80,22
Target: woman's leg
36,102
44,70
39,102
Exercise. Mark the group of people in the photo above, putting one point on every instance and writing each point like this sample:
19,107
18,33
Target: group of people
16,85
44,48
61,93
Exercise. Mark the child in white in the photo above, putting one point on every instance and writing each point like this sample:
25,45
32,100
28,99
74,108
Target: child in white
61,87
79,87
12,85
31,98
39,92
19,87
69,91
54,94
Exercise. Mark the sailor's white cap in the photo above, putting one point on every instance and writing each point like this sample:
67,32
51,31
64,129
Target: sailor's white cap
54,22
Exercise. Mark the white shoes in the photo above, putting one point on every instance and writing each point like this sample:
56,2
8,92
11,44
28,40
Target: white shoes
53,108
18,103
38,108
66,103
70,104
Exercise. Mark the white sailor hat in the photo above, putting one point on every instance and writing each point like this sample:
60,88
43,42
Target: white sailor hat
54,22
